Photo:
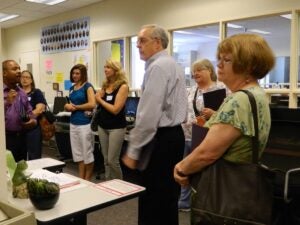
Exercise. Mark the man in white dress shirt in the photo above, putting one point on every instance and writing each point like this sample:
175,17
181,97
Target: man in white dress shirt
161,110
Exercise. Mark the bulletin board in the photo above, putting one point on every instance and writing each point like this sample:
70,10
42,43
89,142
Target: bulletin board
66,36
55,72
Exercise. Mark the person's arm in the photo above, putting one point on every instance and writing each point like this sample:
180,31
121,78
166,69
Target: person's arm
41,102
129,162
150,110
207,113
89,105
217,141
69,107
119,101
32,121
39,109
30,124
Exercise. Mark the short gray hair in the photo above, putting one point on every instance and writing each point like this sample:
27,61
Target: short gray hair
158,32
205,64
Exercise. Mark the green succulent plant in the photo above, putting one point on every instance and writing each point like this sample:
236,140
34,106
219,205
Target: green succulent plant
41,186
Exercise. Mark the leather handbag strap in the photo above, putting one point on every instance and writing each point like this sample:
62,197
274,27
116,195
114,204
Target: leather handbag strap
255,119
197,113
47,107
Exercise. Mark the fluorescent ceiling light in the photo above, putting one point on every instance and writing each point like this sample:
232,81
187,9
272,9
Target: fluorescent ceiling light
183,32
231,25
212,36
47,2
288,16
5,17
259,31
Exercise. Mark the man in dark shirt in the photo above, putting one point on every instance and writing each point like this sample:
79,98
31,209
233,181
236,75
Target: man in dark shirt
17,109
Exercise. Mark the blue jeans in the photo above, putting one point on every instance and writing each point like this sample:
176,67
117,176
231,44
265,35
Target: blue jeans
185,194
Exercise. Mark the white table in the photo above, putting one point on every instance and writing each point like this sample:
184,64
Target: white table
46,163
78,200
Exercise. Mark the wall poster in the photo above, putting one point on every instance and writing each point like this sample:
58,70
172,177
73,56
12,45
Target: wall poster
68,36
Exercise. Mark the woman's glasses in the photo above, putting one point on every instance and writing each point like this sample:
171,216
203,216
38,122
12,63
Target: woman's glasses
224,61
25,77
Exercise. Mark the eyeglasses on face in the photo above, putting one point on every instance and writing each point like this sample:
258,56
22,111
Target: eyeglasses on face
144,40
224,61
25,77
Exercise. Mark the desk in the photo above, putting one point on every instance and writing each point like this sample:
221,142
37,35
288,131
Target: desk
78,200
50,164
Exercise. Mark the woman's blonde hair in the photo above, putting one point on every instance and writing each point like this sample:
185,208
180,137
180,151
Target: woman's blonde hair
251,54
205,64
119,78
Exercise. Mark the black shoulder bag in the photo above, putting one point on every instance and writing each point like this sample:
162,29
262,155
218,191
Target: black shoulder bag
95,119
234,193
49,115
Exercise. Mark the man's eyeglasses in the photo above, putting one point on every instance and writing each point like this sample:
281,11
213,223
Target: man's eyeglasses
144,40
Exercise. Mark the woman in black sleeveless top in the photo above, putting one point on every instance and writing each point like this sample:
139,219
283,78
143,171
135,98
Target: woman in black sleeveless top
112,123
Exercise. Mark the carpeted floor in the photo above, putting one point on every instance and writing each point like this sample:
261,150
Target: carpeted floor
124,213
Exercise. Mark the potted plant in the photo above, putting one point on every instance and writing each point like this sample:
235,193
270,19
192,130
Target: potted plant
42,193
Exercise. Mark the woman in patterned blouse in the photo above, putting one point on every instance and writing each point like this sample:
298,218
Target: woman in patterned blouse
242,60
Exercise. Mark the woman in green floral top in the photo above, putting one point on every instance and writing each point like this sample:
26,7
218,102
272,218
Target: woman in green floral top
242,60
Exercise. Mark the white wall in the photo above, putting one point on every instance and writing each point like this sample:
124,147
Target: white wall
3,190
115,19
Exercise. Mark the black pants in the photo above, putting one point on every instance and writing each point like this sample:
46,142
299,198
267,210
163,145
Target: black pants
34,143
158,205
16,143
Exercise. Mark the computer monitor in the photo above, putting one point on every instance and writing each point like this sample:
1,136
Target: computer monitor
130,109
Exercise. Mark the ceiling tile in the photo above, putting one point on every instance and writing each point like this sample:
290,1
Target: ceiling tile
29,11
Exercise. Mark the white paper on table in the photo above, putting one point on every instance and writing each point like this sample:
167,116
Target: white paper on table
61,179
42,163
73,187
119,187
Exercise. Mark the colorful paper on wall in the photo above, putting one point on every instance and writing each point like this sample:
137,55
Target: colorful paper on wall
82,58
59,77
49,64
116,52
67,84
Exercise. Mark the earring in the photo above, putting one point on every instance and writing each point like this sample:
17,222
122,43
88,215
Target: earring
248,80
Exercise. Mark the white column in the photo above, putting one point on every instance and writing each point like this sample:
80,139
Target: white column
3,186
